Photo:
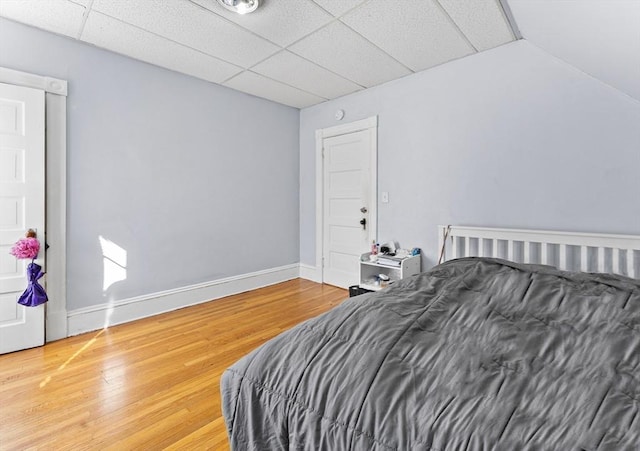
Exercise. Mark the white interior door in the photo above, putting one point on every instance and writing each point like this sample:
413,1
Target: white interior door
349,173
21,207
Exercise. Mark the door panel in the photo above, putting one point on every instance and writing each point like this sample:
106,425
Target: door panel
21,207
348,187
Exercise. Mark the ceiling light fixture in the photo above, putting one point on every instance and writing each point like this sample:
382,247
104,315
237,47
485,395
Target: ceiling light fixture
240,6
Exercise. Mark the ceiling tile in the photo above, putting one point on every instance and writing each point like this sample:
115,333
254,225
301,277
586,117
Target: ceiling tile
296,71
422,39
341,50
59,16
280,22
482,21
126,39
260,86
339,7
191,25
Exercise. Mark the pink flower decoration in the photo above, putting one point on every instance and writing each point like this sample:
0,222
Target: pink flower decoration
26,248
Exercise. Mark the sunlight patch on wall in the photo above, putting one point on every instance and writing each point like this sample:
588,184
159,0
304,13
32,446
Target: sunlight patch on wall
114,261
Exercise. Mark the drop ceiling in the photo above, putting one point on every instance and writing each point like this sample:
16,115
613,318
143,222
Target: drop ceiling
295,52
304,52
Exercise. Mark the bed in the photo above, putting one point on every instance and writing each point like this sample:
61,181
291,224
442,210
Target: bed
477,353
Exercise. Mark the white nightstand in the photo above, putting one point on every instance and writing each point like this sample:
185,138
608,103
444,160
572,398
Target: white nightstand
369,271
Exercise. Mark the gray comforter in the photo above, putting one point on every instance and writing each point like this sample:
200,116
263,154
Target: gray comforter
474,354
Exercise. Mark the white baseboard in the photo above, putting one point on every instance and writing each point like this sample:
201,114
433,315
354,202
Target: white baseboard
310,273
100,316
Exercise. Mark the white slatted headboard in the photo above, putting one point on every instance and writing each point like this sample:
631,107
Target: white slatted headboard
589,252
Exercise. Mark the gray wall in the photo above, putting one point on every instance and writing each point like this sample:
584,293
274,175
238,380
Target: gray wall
507,138
194,181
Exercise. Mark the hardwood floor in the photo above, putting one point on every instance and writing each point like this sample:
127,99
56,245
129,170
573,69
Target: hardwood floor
149,384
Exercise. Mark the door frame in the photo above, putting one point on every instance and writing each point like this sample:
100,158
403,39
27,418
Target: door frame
370,123
55,193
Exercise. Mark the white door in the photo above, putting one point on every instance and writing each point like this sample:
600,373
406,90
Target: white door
21,207
349,204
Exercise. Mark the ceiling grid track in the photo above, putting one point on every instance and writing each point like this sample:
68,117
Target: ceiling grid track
455,25
85,16
163,37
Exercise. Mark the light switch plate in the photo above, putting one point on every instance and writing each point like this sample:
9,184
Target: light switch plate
385,197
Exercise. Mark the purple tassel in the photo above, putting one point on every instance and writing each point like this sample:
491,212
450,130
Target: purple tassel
34,295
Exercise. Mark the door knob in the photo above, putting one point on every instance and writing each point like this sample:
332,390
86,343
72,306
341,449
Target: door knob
363,210
363,222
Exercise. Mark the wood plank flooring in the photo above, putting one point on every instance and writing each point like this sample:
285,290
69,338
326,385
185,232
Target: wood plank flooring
149,384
